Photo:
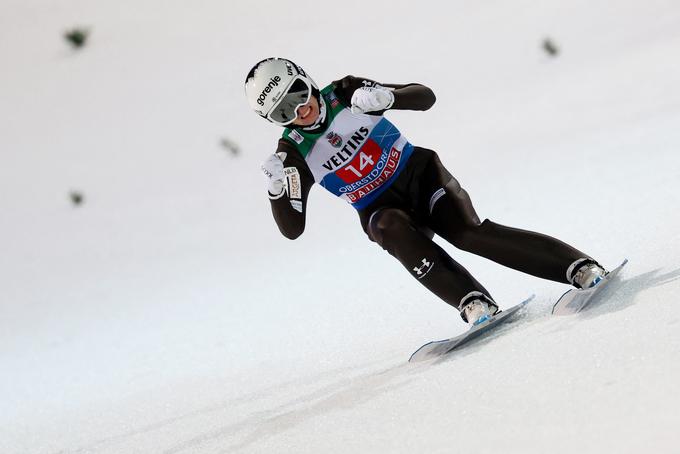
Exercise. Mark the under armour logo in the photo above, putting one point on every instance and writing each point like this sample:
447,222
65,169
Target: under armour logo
423,269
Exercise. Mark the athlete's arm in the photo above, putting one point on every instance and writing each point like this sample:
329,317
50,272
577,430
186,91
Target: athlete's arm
290,206
411,96
406,96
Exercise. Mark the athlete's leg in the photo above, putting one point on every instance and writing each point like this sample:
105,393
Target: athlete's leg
453,217
396,232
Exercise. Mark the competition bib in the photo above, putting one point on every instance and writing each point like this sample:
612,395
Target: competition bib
356,157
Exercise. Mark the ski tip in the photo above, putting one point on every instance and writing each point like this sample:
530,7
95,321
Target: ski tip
555,306
413,355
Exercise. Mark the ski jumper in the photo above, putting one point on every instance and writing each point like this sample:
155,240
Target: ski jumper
403,194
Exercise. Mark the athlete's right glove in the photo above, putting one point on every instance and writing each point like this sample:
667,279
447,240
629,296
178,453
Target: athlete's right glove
272,168
371,99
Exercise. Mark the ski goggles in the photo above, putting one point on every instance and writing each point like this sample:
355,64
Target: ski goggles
284,112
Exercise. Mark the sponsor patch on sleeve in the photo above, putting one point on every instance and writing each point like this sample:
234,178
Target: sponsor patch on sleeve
296,136
297,205
293,182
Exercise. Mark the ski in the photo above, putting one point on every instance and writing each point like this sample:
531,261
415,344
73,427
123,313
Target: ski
442,347
575,300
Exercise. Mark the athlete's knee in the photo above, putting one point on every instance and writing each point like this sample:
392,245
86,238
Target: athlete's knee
386,223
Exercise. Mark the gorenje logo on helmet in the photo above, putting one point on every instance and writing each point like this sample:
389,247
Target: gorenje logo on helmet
273,82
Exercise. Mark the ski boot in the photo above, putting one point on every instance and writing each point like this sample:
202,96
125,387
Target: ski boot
476,308
585,273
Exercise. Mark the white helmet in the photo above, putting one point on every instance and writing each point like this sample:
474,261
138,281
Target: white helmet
276,87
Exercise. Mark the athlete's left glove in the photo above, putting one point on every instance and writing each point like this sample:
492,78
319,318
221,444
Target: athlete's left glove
272,168
372,99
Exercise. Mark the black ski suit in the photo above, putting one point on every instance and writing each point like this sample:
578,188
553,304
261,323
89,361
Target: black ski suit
425,199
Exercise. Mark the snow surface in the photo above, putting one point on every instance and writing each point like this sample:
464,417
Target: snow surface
167,314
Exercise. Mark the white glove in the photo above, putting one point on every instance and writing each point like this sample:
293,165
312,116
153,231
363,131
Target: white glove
371,99
272,168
